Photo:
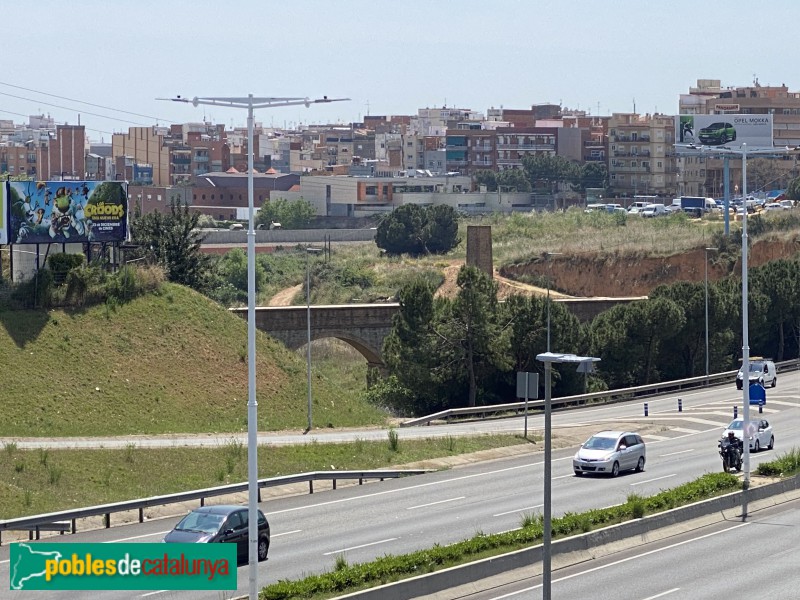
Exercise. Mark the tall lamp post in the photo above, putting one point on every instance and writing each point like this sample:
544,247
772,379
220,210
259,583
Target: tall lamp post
547,256
706,290
309,252
548,358
251,103
743,152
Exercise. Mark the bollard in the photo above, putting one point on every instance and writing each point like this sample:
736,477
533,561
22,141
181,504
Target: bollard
760,407
680,405
645,409
735,412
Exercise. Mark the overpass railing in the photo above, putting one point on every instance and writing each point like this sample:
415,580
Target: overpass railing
604,397
66,520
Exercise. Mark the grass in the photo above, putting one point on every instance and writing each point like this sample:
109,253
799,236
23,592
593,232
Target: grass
75,478
163,363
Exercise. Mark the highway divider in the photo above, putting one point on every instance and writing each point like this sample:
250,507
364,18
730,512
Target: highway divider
468,573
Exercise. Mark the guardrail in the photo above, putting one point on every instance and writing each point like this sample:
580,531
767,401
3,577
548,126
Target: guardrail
57,521
608,396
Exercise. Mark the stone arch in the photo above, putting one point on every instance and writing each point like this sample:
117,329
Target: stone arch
372,355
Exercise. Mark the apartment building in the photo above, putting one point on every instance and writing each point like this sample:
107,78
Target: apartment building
641,155
704,176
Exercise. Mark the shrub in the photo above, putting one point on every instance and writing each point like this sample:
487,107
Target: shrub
62,263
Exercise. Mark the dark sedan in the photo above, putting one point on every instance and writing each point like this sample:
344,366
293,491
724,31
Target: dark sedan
222,523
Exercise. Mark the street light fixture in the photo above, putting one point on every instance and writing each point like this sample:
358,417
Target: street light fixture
309,252
743,152
547,256
706,289
548,358
251,103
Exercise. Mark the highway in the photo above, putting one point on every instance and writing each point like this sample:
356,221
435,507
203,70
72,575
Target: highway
730,559
398,516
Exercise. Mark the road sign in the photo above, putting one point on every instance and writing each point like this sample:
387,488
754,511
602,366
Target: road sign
527,385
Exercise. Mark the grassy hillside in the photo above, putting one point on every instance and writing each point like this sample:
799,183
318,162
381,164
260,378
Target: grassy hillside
172,362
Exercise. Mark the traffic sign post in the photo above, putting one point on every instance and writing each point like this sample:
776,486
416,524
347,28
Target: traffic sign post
527,383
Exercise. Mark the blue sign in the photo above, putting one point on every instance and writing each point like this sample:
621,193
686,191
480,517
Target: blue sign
758,395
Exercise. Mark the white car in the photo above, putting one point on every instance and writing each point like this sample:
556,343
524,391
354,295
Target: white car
759,431
774,206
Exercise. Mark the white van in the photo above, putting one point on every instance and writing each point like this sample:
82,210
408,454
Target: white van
653,210
637,207
762,370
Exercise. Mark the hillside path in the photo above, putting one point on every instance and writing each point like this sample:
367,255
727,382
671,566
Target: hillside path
285,297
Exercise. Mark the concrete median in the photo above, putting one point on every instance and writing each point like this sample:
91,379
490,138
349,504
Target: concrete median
590,545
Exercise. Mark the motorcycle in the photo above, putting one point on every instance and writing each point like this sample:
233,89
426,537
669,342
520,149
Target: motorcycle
731,453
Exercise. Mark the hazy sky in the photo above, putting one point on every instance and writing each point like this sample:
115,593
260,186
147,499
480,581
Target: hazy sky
388,57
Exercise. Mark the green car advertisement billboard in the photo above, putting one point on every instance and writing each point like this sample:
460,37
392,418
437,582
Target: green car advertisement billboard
723,130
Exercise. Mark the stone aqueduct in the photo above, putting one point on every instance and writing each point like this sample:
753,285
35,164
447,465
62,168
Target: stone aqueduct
365,326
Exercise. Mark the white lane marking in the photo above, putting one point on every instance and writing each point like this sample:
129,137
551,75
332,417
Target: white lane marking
684,430
563,476
413,487
623,560
286,533
511,512
662,594
357,547
434,503
651,480
152,593
136,537
675,453
655,438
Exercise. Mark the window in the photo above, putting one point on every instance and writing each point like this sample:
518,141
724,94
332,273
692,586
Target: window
659,164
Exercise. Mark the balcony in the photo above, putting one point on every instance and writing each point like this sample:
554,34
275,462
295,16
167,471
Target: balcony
181,160
547,147
201,158
483,148
509,161
457,162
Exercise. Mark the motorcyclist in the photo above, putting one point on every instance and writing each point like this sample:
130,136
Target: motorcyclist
732,439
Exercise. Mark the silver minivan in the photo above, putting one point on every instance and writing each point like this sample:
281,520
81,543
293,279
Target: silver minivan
609,452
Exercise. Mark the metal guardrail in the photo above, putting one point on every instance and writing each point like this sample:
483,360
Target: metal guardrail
608,396
56,521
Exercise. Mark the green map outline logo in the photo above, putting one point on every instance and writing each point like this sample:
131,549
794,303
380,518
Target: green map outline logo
122,566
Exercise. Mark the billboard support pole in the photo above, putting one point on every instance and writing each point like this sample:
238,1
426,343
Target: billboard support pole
726,170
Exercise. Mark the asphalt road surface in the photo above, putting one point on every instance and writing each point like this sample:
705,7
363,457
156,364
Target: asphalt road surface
360,523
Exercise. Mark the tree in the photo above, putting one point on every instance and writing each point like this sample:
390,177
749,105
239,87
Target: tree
415,230
592,175
407,352
173,241
440,233
487,178
793,191
513,180
546,171
472,344
291,214
232,270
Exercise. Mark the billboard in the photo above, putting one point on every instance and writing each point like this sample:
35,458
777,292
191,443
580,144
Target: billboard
3,215
723,130
44,212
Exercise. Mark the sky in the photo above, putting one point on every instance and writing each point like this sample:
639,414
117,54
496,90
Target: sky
105,63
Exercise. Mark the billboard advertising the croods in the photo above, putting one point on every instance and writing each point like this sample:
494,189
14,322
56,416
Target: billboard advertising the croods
46,212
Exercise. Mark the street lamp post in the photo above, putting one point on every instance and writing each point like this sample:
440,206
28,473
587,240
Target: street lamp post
251,103
743,152
706,290
309,252
548,358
